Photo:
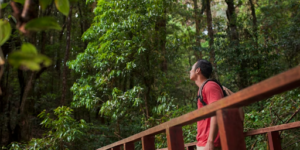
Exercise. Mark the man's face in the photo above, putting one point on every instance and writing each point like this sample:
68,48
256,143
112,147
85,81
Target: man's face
194,73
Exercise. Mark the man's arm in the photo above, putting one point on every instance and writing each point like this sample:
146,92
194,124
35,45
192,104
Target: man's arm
213,94
213,132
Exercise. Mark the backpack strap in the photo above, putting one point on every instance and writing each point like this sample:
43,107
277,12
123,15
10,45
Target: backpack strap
222,88
199,96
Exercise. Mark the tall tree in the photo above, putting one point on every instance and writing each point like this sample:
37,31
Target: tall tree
66,58
211,37
198,16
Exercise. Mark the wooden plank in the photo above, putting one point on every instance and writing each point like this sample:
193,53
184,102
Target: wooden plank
191,144
274,140
275,85
273,128
148,142
231,129
129,146
175,138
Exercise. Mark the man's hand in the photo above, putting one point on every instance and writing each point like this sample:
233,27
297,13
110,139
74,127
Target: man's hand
209,146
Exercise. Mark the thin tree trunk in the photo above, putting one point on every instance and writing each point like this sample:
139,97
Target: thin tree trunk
231,16
65,70
255,51
211,38
197,52
82,23
254,21
234,43
161,33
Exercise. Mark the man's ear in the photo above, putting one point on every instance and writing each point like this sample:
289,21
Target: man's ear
198,70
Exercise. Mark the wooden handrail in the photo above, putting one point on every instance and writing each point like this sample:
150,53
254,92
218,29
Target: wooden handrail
273,128
259,131
283,82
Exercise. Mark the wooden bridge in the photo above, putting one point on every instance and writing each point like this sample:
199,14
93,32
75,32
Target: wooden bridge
230,126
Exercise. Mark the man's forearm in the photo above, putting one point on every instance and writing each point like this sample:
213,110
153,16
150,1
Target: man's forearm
213,132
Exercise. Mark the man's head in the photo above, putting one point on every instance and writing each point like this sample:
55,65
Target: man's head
202,68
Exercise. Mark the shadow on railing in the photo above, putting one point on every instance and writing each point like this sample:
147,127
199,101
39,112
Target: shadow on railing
230,126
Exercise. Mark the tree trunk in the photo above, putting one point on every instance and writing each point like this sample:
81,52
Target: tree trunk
231,16
211,39
254,21
161,33
65,70
234,43
83,22
197,52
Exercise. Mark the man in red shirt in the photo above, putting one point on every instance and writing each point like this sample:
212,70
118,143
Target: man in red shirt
207,129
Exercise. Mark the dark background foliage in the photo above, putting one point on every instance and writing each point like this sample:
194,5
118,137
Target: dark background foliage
84,74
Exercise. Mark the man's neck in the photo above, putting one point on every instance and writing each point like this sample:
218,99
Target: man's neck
200,81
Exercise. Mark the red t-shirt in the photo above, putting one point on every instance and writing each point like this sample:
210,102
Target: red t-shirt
211,92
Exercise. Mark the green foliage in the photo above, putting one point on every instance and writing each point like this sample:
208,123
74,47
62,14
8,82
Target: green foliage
115,107
63,6
43,23
44,3
28,57
275,111
3,5
133,73
20,1
5,31
63,130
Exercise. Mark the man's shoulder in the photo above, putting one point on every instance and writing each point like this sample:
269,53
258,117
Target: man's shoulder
212,85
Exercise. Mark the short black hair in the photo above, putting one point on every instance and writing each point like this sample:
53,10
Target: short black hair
205,67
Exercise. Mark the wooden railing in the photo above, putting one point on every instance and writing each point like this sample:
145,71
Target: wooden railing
230,126
272,133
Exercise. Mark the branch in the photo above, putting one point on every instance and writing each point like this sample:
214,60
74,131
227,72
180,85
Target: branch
119,136
277,116
2,61
38,74
293,115
290,144
26,91
252,146
291,118
28,13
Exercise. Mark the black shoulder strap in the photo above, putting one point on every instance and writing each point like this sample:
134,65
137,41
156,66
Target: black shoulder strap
201,88
224,93
200,93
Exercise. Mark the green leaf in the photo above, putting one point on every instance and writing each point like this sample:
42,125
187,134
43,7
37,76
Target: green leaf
20,1
20,58
45,3
63,6
28,58
3,5
43,23
5,31
29,48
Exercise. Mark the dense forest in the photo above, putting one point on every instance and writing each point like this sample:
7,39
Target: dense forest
83,74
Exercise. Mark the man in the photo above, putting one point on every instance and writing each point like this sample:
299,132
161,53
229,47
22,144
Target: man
207,130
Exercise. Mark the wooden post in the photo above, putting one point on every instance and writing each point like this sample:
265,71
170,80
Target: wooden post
116,148
274,140
190,148
129,146
231,129
148,142
175,138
